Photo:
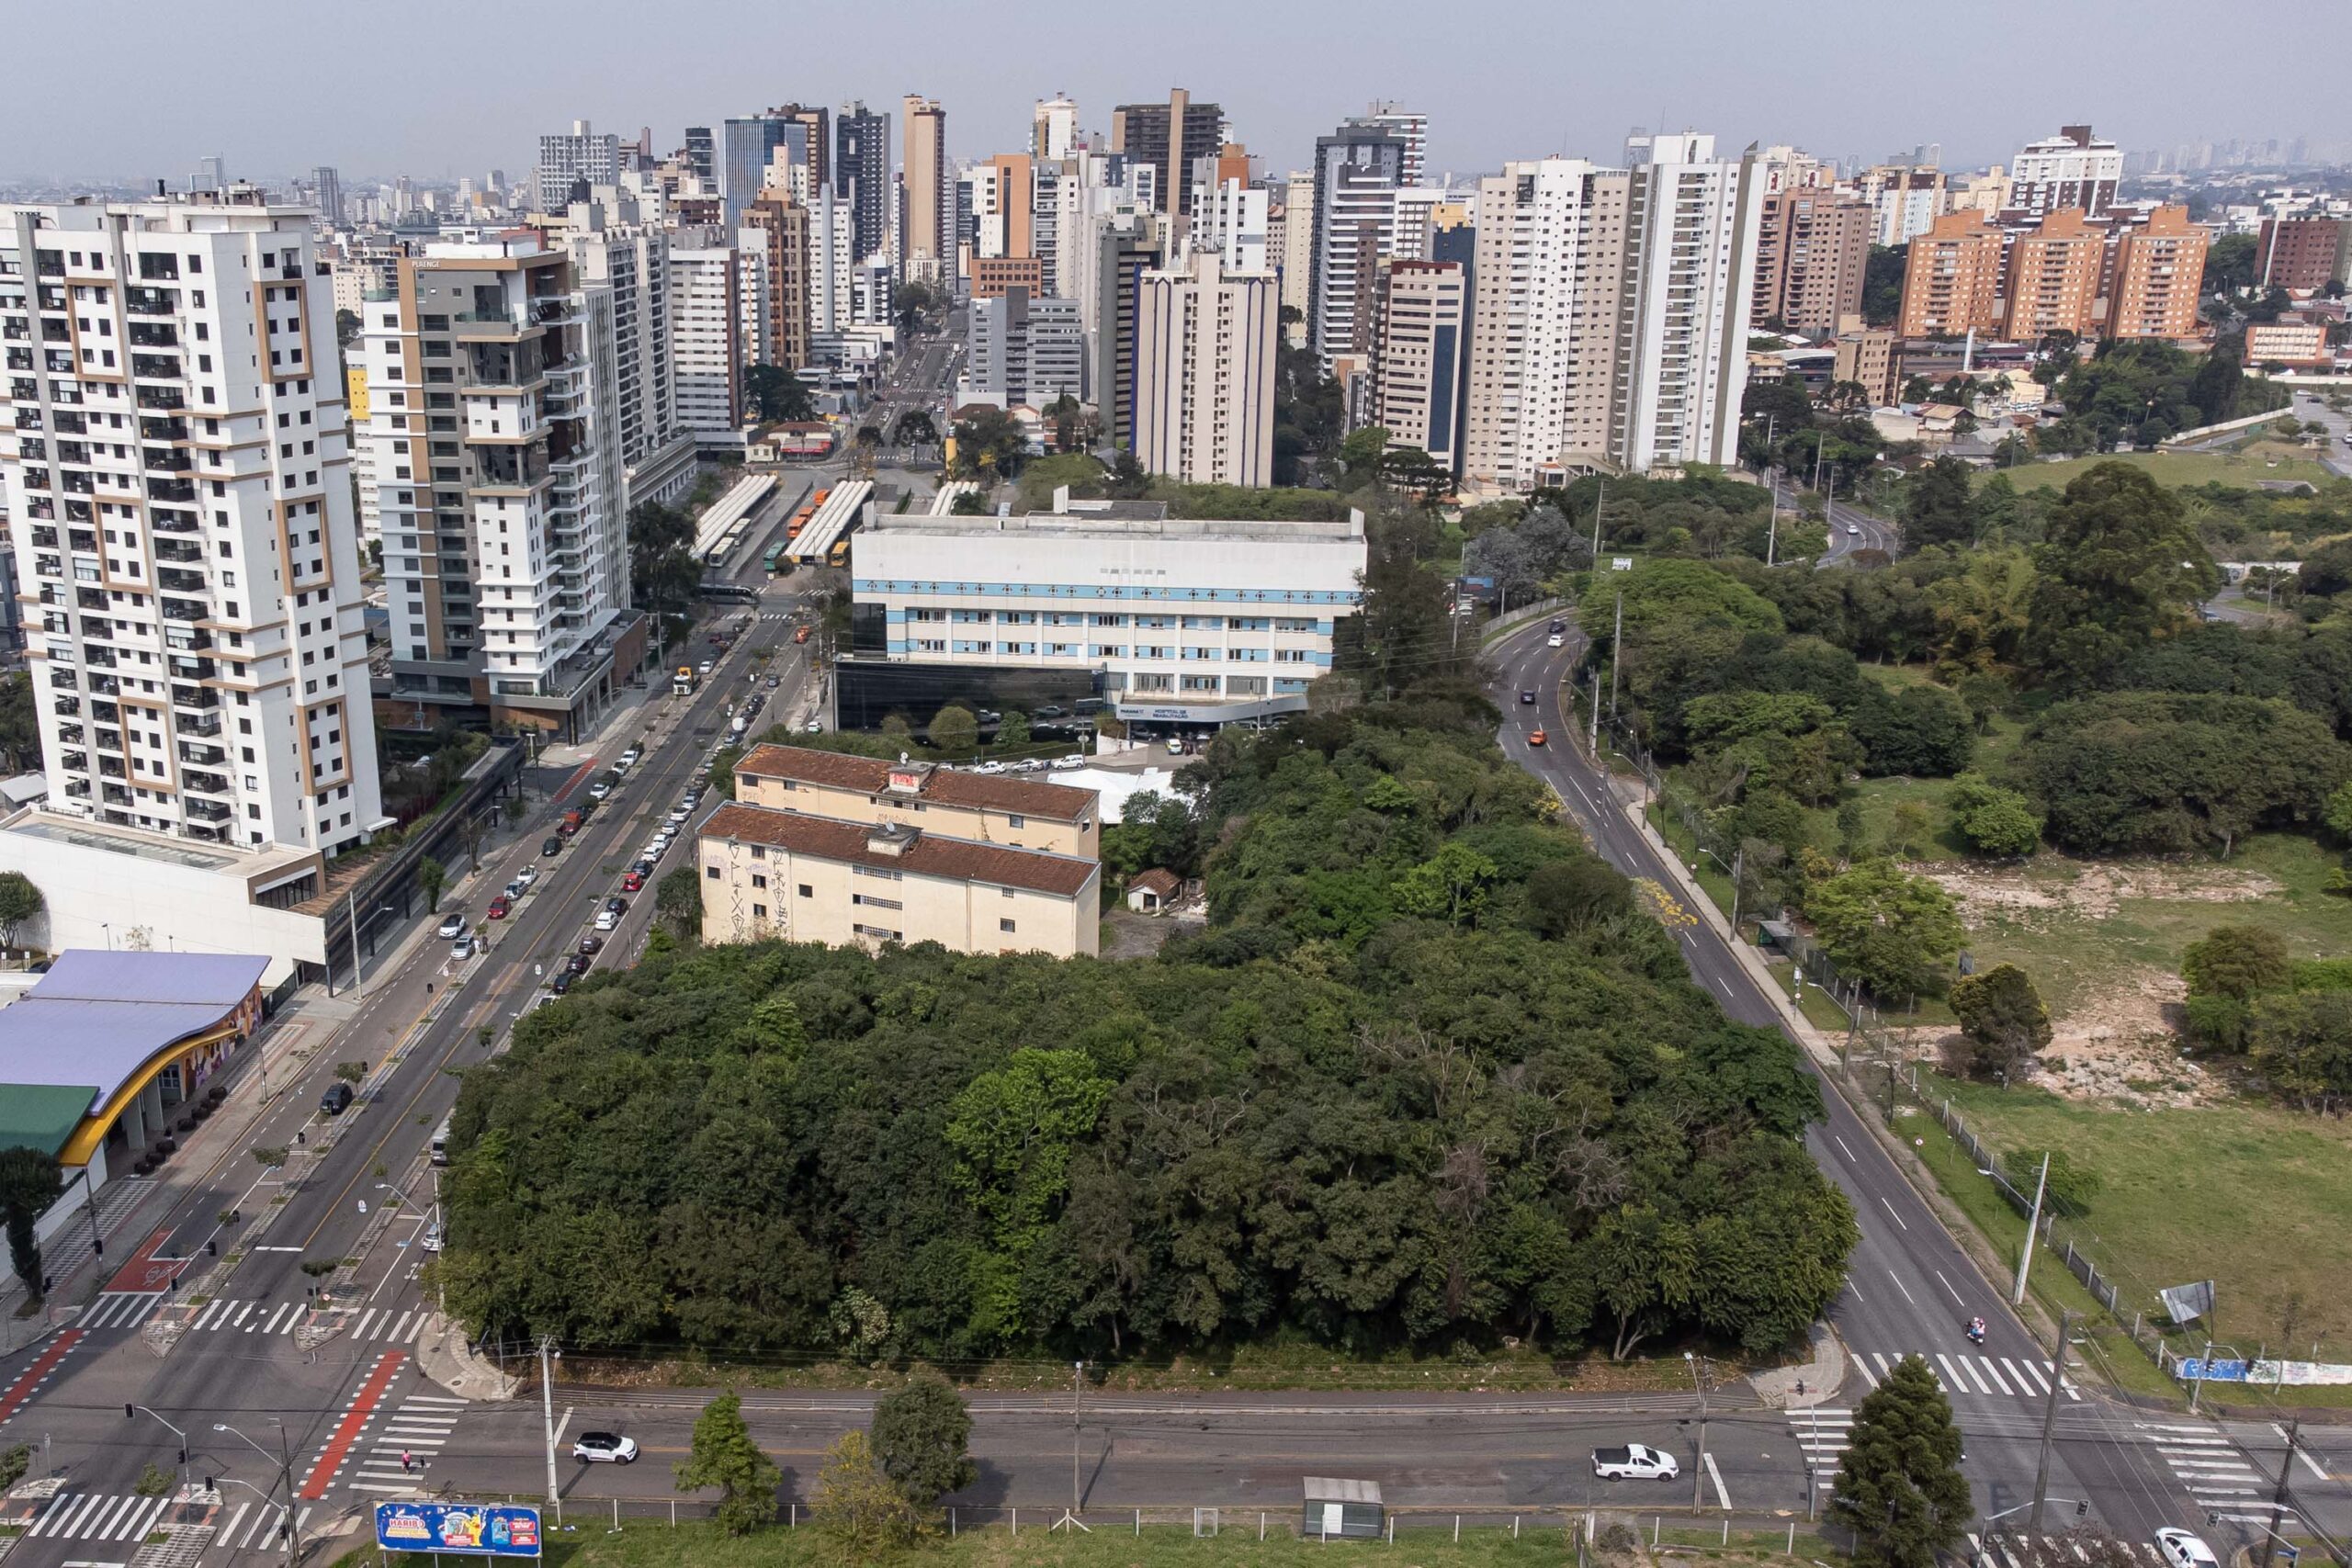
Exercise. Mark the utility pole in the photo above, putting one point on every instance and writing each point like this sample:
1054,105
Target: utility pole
2024,1253
1772,534
2049,1417
1077,1399
1592,741
287,1527
1599,495
1699,1465
546,1405
2278,1496
2196,1385
1738,859
1616,654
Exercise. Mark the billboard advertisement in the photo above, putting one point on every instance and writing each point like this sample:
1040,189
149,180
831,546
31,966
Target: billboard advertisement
479,1529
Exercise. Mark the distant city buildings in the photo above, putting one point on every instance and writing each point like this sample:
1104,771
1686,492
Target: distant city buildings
580,157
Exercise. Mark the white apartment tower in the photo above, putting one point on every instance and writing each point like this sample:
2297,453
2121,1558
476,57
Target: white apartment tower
178,480
1204,373
1232,218
492,401
580,155
706,342
1610,313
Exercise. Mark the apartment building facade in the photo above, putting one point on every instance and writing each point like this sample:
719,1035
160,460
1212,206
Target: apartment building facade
1169,137
707,337
492,413
1022,349
1359,169
1951,280
1811,248
176,473
616,246
569,159
926,240
862,176
1204,373
778,224
2158,271
1424,309
2303,255
977,808
2071,170
2054,277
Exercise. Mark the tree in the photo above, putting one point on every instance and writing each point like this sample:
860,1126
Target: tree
2239,962
1013,730
14,1462
2219,383
969,503
989,444
28,1185
1938,506
724,1455
921,1437
1416,473
914,429
1993,821
678,899
780,396
432,878
347,329
19,724
910,300
857,1504
20,902
1895,932
1909,828
2069,1187
2119,565
955,727
1899,1489
2002,1018
1568,895
662,571
2302,1042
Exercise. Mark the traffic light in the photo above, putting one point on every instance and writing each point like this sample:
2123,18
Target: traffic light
129,1410
2082,1508
209,1486
211,1247
183,1456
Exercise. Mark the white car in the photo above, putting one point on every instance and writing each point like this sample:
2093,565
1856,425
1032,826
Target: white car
603,1448
1635,1462
461,950
432,1239
703,668
599,790
678,814
631,757
2184,1549
607,920
450,925
817,726
1556,640
653,850
527,876
1854,529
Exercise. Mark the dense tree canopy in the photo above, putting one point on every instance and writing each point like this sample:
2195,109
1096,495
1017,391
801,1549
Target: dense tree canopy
1392,1095
2119,567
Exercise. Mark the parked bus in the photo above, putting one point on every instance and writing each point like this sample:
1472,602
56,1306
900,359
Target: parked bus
441,1142
773,558
799,521
839,554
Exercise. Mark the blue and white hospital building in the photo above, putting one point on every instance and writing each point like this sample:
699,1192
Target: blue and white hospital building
1180,621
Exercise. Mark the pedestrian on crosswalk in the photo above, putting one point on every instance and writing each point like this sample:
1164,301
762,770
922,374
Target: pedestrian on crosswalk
404,1461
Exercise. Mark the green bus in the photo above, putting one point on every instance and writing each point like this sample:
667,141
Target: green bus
773,558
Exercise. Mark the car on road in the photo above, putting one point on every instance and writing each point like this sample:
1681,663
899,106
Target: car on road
450,925
1635,1462
617,905
608,921
501,907
632,881
1557,626
1175,744
562,981
774,681
603,1448
1536,737
679,812
433,1237
337,1098
705,667
515,890
592,945
653,850
600,789
1557,640
1527,695
577,963
551,845
461,950
814,727
527,876
643,868
628,759
2184,1549
1854,529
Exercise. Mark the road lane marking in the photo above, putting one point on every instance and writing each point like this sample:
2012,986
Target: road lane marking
1841,1146
1899,1285
1891,1214
355,1418
229,1530
2301,1454
1947,1285
29,1382
1993,1372
560,1425
1722,1496
136,1524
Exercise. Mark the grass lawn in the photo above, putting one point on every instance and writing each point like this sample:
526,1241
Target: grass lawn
2250,1196
2260,460
1429,1542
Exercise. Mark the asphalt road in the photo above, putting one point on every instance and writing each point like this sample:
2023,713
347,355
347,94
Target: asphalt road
240,1364
1851,530
1910,1288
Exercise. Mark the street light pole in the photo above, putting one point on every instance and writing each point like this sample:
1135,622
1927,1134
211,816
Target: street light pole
2033,1224
1699,1465
547,1407
287,1530
2049,1417
2278,1496
175,1431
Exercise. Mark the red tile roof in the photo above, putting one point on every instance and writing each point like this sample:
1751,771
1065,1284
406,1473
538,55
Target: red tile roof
871,776
953,860
1162,883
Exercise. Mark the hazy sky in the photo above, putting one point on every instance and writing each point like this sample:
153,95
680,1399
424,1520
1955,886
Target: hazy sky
435,87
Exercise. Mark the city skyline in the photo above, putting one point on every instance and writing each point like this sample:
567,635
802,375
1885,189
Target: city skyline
1689,65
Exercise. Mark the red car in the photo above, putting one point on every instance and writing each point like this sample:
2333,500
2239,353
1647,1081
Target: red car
499,906
632,882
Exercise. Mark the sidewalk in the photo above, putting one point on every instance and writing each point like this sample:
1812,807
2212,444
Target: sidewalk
627,712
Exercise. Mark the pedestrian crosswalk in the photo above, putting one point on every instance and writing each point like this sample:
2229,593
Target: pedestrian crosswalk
407,1445
127,1309
2216,1474
2002,1377
1823,1434
2046,1551
256,1527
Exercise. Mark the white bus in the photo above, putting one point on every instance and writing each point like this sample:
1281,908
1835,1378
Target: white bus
441,1143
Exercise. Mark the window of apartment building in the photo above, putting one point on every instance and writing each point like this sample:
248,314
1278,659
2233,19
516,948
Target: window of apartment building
1004,925
872,902
806,891
711,872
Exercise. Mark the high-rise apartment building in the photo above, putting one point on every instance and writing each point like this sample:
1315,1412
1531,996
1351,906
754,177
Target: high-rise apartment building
1611,309
1810,254
492,393
707,338
1053,128
568,160
2054,277
1002,208
1409,126
753,145
1169,137
615,247
1296,260
862,176
702,157
1422,352
176,473
2072,169
1023,349
2158,271
1866,357
927,240
1951,280
1204,373
1128,245
1908,197
2303,254
1358,171
1231,219
780,224
327,186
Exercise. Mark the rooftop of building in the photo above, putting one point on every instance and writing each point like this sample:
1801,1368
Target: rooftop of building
96,1021
919,780
1075,518
900,847
258,866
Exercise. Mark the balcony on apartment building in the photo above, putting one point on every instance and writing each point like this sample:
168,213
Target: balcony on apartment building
211,810
178,581
511,468
160,398
162,427
201,698
178,549
170,459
